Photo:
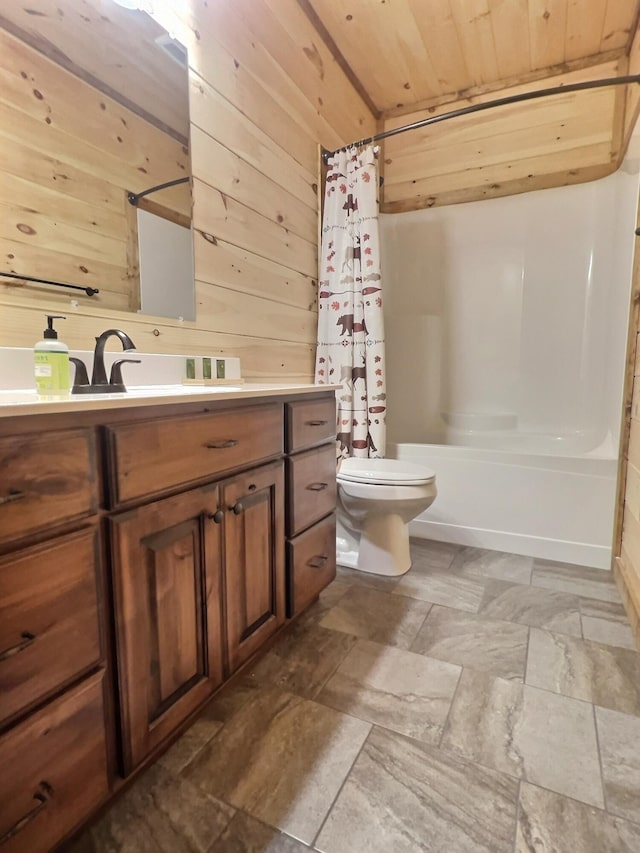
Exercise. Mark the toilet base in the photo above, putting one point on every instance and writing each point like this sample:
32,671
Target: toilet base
382,547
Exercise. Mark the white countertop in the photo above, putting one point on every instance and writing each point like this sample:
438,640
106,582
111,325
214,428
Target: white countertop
27,402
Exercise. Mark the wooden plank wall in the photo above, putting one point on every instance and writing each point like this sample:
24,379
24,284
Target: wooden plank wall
626,562
532,145
626,535
264,92
68,156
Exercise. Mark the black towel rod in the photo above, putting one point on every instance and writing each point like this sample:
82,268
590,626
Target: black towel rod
476,108
90,291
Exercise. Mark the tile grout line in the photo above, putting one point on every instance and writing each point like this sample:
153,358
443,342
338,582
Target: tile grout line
339,791
526,659
603,811
520,779
422,624
268,826
597,734
316,694
515,828
226,827
453,699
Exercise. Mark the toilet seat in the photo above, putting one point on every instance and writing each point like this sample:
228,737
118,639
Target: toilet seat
384,472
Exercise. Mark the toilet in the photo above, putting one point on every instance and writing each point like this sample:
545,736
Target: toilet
377,498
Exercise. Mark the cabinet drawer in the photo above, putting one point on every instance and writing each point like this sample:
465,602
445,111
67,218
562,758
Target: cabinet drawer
153,456
50,625
55,770
311,487
310,422
45,479
311,564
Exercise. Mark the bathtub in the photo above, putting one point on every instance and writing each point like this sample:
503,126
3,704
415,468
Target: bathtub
545,495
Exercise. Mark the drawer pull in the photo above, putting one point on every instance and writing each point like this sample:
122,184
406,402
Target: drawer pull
237,508
26,641
14,495
42,797
317,487
317,423
318,561
222,445
217,516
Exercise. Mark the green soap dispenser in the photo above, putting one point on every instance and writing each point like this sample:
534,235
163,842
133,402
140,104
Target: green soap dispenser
51,362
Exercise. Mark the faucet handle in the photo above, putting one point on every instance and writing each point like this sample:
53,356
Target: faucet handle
81,379
116,381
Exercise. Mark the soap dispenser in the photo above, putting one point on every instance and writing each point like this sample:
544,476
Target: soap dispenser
51,361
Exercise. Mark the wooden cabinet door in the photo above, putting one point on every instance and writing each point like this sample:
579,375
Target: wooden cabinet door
167,579
254,559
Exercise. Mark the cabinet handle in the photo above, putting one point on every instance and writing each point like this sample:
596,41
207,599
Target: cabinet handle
27,639
222,445
14,495
217,516
237,508
317,487
318,561
317,423
42,797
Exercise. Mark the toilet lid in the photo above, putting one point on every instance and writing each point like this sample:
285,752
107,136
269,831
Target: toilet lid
384,472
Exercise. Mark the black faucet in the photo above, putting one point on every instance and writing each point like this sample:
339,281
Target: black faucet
99,383
99,375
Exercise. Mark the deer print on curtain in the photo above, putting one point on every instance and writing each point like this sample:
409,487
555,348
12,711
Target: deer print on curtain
350,325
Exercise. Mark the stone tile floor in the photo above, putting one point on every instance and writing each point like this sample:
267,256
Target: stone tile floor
483,702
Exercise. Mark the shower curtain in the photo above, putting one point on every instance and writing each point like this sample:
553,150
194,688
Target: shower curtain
350,348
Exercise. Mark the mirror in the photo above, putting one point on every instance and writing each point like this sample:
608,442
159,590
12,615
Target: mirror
93,109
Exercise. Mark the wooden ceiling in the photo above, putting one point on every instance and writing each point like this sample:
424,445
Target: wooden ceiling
112,48
405,55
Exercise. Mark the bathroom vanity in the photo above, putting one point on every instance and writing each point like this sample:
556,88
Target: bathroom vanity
148,550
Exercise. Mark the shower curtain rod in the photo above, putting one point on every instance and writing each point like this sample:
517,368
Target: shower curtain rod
499,102
134,198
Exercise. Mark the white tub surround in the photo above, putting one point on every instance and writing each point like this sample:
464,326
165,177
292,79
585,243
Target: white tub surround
506,325
541,505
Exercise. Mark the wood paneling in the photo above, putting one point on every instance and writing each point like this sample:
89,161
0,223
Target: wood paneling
264,92
245,272
113,49
71,156
626,530
410,51
632,106
532,145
